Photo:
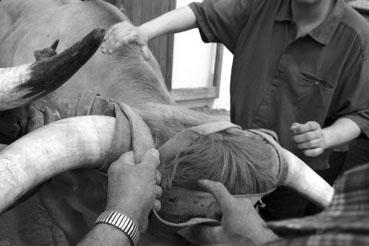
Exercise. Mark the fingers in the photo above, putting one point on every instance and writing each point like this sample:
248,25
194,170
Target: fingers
111,40
124,33
158,191
218,190
158,177
151,158
127,158
311,144
297,128
313,152
157,205
309,137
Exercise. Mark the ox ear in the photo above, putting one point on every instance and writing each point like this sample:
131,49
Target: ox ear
47,52
22,84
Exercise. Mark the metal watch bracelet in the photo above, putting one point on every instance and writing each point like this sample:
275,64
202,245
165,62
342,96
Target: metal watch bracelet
122,222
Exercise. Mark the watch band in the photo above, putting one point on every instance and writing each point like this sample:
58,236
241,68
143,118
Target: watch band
122,222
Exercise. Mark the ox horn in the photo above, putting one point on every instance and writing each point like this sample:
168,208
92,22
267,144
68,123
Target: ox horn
79,142
303,179
300,177
22,84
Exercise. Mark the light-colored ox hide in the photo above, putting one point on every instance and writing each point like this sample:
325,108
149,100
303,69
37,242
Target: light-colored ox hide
28,25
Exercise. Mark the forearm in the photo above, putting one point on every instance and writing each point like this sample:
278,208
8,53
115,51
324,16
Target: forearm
341,132
178,20
103,234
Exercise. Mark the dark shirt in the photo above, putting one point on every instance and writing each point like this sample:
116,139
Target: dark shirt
278,79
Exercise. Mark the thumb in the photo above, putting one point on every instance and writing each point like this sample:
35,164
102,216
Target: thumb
151,157
218,190
145,52
127,158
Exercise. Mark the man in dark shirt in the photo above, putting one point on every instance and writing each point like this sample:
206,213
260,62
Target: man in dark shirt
300,69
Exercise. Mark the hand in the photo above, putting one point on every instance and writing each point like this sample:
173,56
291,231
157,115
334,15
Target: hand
125,33
309,137
134,189
240,225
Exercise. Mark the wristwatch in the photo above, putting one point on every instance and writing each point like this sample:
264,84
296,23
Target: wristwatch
122,222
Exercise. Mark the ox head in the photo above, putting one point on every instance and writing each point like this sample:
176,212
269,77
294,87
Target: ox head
22,84
223,155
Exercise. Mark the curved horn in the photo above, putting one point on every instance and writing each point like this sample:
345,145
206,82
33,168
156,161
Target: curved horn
60,146
303,179
22,84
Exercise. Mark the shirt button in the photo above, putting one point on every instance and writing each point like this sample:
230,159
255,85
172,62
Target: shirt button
316,83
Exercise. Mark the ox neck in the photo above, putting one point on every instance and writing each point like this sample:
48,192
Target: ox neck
165,121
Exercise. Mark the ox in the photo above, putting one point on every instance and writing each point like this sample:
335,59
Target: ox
74,199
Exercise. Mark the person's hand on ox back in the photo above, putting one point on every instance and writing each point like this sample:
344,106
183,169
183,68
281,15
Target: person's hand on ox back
133,191
178,20
125,33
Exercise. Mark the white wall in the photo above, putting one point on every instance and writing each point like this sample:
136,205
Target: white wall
223,102
193,61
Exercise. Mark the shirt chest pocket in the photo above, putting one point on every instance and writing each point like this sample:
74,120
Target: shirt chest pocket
308,80
308,86
311,94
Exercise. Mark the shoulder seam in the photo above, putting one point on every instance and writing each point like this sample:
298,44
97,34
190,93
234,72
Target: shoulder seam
360,38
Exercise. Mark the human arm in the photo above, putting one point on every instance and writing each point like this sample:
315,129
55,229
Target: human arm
133,191
175,21
108,235
313,139
240,225
219,21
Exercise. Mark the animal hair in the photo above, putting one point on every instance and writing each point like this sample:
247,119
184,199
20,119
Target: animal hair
241,163
164,129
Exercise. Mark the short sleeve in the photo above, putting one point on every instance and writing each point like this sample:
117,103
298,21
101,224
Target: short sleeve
353,99
221,21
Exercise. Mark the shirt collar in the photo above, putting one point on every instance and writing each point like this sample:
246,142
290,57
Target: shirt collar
325,31
284,12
